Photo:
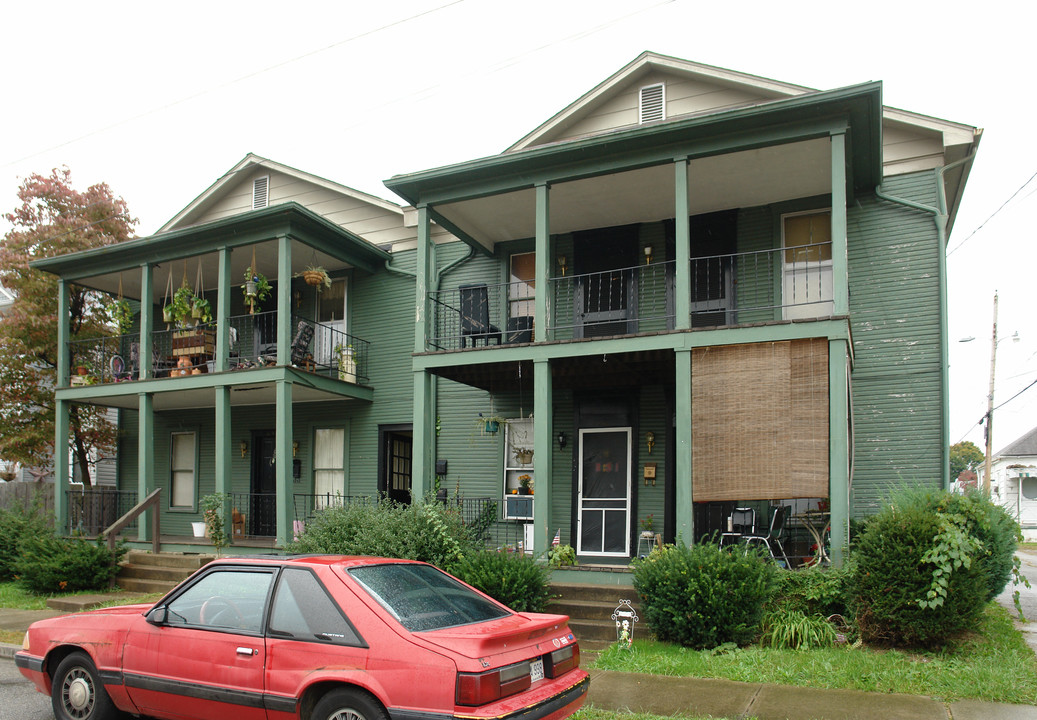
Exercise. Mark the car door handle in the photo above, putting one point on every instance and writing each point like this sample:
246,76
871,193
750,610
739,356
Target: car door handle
247,651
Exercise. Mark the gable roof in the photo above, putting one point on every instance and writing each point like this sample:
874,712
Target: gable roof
1026,445
211,195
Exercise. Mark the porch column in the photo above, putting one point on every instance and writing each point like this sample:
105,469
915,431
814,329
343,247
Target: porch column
222,317
682,247
61,410
543,444
147,323
838,447
542,299
223,446
146,458
685,525
840,275
423,274
423,462
283,460
284,302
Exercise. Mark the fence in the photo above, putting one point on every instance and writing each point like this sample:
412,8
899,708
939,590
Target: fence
25,495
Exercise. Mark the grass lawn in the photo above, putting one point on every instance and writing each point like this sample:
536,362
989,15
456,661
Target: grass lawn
1031,546
589,712
993,664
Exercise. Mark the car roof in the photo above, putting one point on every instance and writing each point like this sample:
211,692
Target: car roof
345,561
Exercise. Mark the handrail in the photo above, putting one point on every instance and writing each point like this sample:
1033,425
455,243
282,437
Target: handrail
151,501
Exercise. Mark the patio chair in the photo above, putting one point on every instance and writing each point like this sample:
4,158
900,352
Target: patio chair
779,517
741,522
475,315
301,343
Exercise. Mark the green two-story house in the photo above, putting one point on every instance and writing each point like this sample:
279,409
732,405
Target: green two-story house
690,291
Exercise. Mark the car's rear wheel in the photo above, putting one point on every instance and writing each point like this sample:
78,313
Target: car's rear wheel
77,693
346,704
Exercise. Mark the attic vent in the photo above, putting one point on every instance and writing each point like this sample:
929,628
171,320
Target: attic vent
653,99
261,192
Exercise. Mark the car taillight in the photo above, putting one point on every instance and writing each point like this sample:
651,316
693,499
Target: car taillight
561,661
487,687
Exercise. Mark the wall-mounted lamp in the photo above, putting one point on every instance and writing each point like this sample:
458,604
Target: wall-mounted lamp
298,298
295,448
561,439
648,254
561,264
244,448
650,440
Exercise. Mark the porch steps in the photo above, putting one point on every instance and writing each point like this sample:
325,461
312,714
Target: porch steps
590,609
148,573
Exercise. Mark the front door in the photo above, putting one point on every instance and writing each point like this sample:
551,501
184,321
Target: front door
604,487
262,516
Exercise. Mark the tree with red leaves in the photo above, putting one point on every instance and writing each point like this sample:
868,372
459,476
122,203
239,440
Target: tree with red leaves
53,219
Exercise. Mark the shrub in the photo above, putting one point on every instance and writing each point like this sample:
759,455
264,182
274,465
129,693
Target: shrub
426,531
793,630
515,579
51,564
704,596
17,524
815,590
994,528
914,579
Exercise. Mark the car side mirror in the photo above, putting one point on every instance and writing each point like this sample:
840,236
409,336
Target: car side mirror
158,615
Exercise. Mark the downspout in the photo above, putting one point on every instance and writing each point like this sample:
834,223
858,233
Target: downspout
940,217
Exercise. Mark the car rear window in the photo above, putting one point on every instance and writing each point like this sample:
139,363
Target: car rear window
422,597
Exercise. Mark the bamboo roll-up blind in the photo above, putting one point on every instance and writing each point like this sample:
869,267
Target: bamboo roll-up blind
760,421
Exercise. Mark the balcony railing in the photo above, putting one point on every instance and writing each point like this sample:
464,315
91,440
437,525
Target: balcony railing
317,347
92,509
256,513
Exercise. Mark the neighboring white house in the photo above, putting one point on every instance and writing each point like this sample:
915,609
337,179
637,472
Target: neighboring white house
1013,481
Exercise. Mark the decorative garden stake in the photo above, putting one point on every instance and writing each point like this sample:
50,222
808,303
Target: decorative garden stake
625,618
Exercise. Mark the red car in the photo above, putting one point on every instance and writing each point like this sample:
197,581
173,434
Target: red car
315,638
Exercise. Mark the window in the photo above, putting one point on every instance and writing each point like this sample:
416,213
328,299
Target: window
522,287
303,610
807,265
182,461
653,103
1029,487
261,192
230,599
329,471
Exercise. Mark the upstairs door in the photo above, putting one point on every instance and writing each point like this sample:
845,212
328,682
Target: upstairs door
604,492
331,322
605,293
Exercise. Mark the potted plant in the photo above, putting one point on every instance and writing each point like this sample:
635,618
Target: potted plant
201,310
525,484
256,289
561,556
489,424
122,316
213,506
647,530
523,455
316,276
179,308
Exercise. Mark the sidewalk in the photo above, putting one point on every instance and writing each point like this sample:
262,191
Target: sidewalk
660,695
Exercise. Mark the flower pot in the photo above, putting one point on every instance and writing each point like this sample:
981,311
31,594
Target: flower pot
250,288
82,370
347,365
524,457
198,528
167,315
491,426
313,277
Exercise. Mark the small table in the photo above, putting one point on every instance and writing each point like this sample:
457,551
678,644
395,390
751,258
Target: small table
815,521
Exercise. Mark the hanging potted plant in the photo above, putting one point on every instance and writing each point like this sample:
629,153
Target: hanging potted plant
316,276
489,424
201,310
179,308
121,315
523,455
256,289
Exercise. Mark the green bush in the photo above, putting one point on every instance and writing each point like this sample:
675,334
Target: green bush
996,530
17,524
515,579
426,531
794,630
704,596
815,590
914,579
51,564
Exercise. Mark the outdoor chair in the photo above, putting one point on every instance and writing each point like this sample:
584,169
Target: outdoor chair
301,343
779,517
475,315
741,522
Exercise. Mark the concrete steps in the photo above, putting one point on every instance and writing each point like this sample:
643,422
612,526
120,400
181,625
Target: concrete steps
147,573
590,609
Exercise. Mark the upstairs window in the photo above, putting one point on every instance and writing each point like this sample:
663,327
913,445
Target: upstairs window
261,192
653,103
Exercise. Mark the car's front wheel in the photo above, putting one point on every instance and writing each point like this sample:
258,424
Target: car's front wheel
77,693
346,704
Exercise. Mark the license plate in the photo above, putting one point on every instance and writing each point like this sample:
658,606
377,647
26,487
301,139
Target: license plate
536,669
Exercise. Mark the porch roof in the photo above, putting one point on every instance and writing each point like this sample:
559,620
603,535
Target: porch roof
326,243
746,150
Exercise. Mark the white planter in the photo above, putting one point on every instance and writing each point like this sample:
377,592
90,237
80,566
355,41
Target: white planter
198,528
347,365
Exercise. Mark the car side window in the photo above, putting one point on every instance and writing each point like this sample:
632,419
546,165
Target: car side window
232,599
303,610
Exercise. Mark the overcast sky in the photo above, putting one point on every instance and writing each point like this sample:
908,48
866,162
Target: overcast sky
159,100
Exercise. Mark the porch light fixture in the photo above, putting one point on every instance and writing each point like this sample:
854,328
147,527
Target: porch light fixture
648,254
561,439
244,448
295,448
561,264
650,440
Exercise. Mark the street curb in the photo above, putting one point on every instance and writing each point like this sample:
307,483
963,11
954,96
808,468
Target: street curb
7,650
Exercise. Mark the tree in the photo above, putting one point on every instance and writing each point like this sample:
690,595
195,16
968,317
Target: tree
53,219
965,457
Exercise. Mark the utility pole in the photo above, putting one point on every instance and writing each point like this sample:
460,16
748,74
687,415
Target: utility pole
990,404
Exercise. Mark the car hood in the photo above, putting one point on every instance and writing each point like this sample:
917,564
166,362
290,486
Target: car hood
495,636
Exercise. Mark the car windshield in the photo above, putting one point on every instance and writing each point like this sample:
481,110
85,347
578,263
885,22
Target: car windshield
422,597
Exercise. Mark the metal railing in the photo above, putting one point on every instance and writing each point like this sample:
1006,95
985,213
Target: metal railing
258,513
613,302
92,509
103,359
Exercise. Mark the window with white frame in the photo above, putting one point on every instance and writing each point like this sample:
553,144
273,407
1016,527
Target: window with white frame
329,467
183,458
807,264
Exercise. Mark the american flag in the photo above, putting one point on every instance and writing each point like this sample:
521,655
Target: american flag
558,538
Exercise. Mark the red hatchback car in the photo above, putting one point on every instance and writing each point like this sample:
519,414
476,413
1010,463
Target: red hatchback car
315,638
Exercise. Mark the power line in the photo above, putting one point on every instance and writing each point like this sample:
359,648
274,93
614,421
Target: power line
980,227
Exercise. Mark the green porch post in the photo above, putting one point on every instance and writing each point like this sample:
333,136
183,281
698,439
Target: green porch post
147,323
542,299
223,447
682,247
423,275
543,442
838,447
424,426
61,411
284,301
283,460
222,318
685,526
840,273
146,458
